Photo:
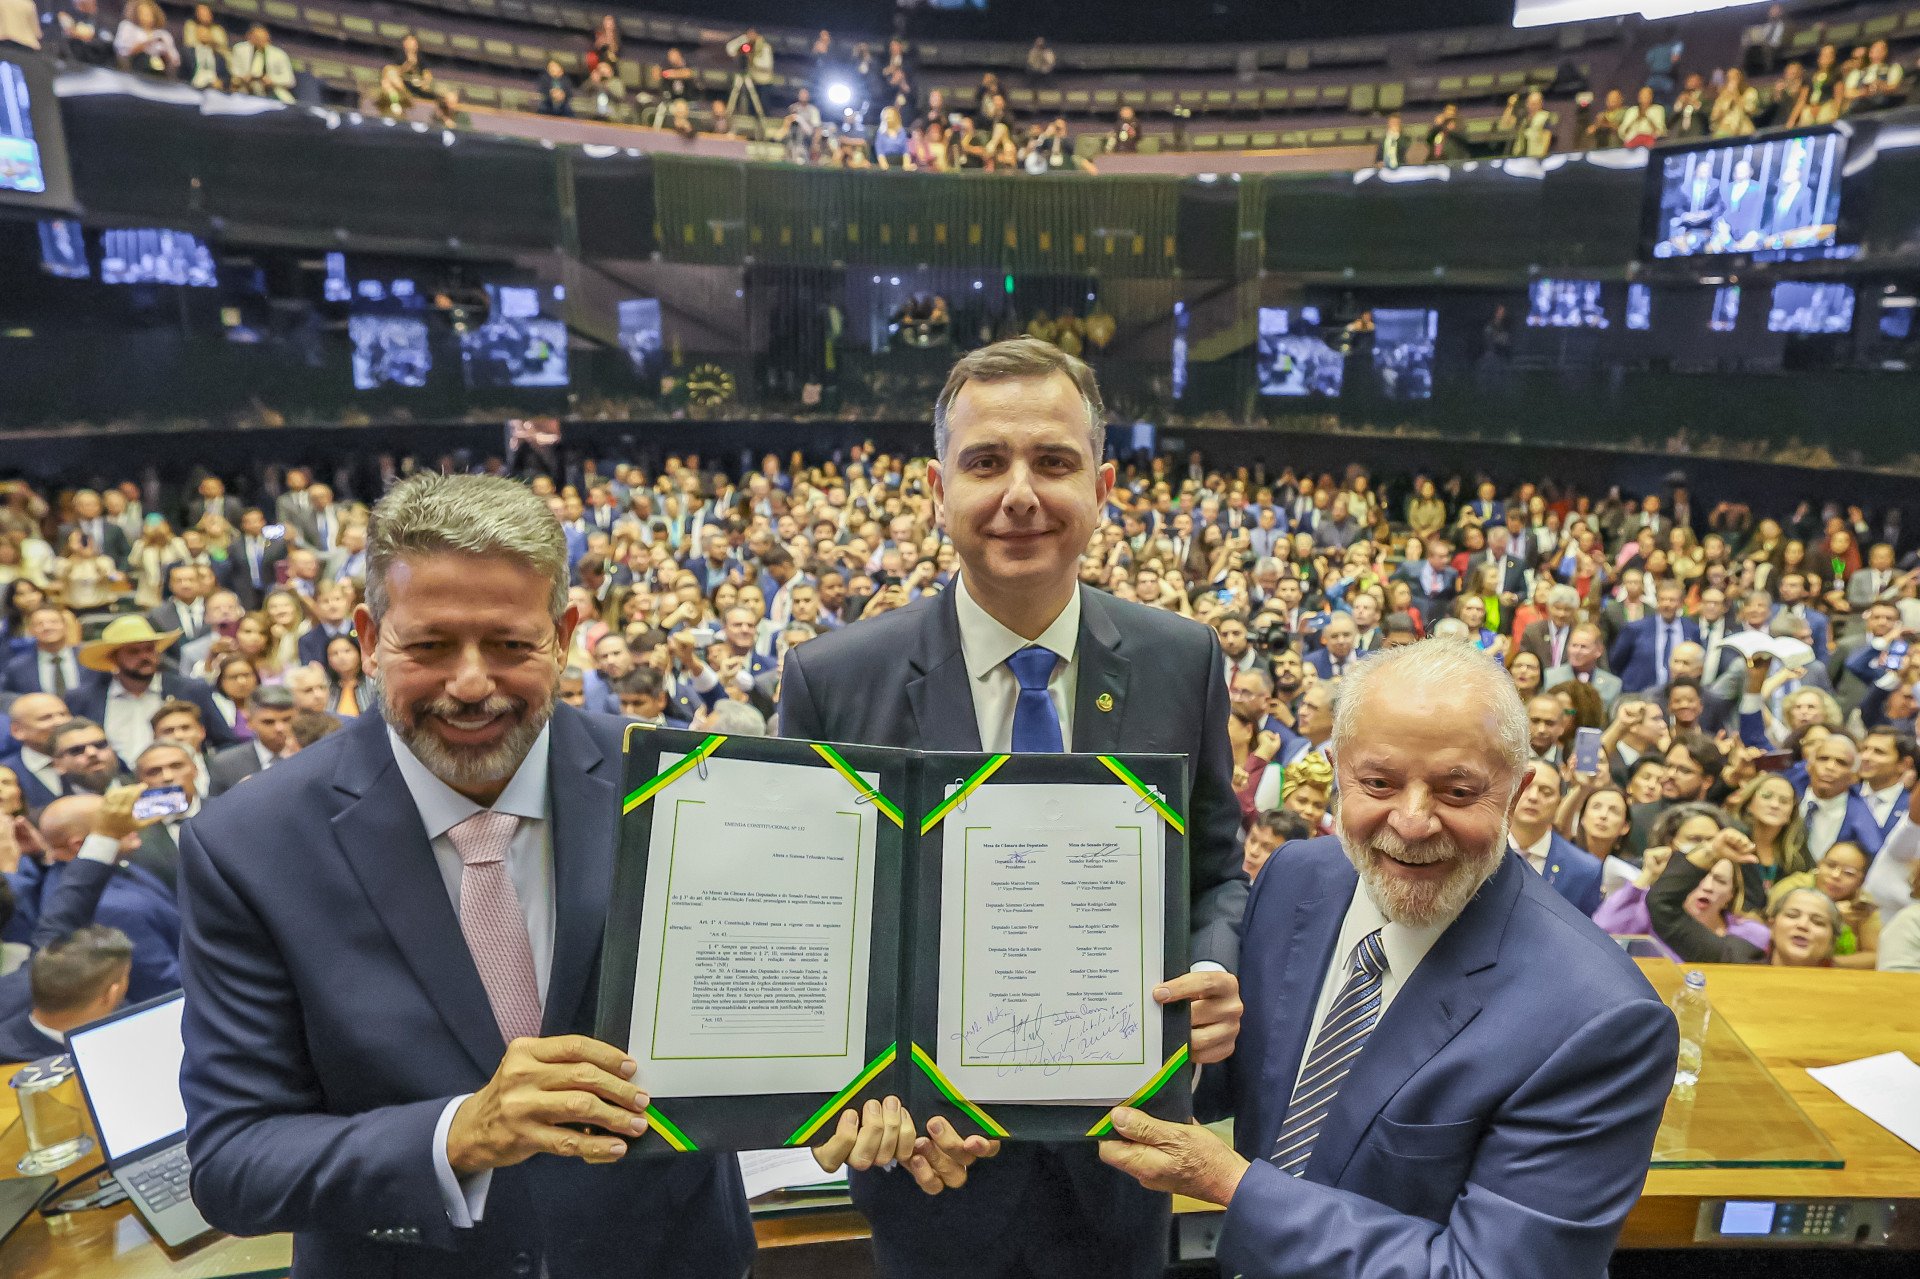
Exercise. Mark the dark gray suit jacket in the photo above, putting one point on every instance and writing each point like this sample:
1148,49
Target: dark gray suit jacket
229,767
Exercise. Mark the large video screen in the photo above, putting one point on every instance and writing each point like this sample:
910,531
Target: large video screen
1295,360
641,336
63,249
1639,307
1546,13
516,346
1746,196
389,350
156,256
1403,352
1565,304
1801,307
33,147
1726,309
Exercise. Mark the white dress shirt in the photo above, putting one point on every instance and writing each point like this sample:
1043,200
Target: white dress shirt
69,670
1535,854
529,866
986,646
41,766
1823,827
1405,947
1881,801
129,725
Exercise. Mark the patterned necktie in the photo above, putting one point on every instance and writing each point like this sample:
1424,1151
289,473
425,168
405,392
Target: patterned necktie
1342,1035
1036,724
493,924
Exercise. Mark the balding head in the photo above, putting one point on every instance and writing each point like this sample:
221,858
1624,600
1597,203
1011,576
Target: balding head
1687,661
66,823
34,715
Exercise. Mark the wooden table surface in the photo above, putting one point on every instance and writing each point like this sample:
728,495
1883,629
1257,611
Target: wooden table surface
1790,1019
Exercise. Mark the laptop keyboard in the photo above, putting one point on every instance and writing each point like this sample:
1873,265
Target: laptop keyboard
161,1181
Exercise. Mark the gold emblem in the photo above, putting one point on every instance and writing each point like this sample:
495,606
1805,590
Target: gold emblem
1104,701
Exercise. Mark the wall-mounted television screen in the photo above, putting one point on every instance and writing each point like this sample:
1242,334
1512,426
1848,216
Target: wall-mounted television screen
33,147
389,350
1294,358
63,249
516,346
1403,352
641,336
1801,307
1565,304
1748,196
156,256
1726,309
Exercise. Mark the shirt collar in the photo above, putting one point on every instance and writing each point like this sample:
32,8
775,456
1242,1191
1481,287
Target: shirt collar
34,758
987,644
442,807
1831,802
1539,848
1405,945
57,1036
117,692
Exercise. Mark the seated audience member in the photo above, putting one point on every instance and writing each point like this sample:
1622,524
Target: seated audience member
1529,125
555,90
1593,814
415,74
1530,1169
1644,123
144,44
78,979
29,754
1841,876
178,721
261,67
347,695
642,695
388,97
607,94
270,712
208,49
1697,906
1573,872
1268,834
135,900
88,36
1802,926
1125,137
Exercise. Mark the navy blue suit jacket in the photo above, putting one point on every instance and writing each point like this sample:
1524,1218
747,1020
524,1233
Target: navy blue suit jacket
1817,624
1499,1119
23,673
1859,826
333,1010
1636,653
1574,873
312,646
71,906
90,702
1322,661
133,899
900,679
35,791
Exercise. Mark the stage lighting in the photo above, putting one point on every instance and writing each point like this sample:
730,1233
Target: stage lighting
839,93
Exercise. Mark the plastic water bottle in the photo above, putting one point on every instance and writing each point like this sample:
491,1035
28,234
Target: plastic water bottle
1693,1012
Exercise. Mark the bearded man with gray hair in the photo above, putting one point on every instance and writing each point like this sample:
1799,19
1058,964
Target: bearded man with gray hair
1443,1068
392,943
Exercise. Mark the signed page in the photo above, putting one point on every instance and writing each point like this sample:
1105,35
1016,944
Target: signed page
1052,914
754,942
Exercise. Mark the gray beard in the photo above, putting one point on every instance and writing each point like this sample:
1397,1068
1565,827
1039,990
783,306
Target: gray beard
1418,906
467,767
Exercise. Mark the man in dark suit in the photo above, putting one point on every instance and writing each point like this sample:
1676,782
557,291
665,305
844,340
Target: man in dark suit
166,764
330,605
183,610
1018,656
1339,645
57,913
251,560
212,499
1794,603
51,665
472,818
129,686
1643,655
1434,581
1547,638
1391,151
1569,870
78,829
270,716
1509,569
78,979
90,519
1442,1057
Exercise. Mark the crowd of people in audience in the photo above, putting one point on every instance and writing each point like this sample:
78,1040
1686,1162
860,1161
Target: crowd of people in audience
1721,704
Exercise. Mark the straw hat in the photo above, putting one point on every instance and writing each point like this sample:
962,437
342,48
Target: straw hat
120,632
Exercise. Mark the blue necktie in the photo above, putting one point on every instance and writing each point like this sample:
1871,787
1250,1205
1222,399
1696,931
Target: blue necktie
1342,1035
1036,725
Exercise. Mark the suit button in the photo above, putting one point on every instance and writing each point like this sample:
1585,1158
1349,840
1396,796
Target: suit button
522,1263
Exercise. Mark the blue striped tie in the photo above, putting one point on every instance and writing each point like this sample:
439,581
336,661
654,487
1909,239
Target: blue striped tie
1341,1037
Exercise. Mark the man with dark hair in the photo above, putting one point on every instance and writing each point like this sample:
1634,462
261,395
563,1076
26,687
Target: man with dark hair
166,765
83,757
270,713
51,665
643,696
1267,834
76,980
1887,763
128,655
178,721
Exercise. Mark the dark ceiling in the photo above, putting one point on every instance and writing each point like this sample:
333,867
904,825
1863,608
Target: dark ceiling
1106,21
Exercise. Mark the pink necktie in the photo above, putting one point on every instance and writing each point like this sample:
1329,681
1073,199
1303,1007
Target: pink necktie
492,922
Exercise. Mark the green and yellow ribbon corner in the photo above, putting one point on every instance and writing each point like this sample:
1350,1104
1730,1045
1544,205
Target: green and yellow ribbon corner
859,784
669,1131
845,1097
1145,792
1148,1090
959,796
660,781
921,1058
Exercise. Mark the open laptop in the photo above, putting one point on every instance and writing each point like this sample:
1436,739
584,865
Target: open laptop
129,1068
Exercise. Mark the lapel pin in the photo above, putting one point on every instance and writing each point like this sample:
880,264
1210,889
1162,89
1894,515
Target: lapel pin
1104,701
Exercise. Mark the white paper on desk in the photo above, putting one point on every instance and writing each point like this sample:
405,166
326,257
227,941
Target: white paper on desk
1790,652
1886,1089
1052,922
766,1171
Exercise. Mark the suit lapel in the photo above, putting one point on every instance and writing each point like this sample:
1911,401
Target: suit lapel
1100,701
942,695
1429,1010
580,796
381,837
1317,917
